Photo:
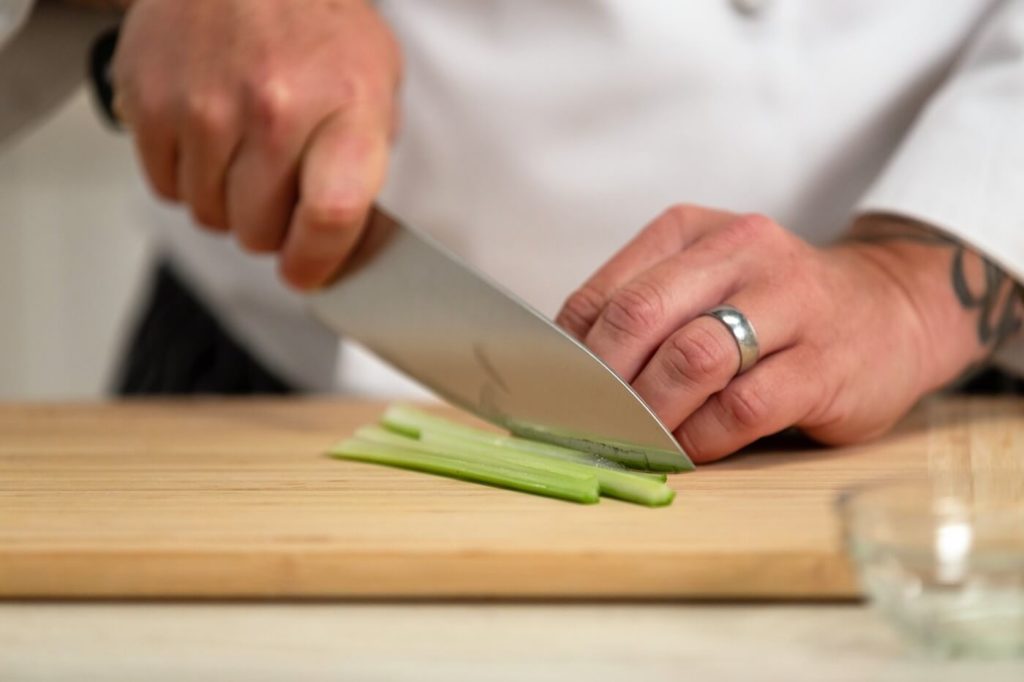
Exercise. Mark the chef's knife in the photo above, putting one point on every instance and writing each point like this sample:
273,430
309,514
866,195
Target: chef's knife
419,308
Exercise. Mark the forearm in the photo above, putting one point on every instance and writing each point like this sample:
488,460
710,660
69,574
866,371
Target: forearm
965,304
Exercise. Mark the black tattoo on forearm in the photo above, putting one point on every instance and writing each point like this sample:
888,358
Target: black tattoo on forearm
999,300
998,305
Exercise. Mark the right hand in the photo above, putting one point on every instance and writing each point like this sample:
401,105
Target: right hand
272,119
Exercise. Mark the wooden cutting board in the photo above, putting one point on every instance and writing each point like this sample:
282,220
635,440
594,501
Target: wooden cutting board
219,498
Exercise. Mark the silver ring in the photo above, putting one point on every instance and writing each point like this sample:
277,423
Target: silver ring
742,332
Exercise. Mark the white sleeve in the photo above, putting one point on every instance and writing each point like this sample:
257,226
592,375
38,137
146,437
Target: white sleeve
43,58
12,15
961,167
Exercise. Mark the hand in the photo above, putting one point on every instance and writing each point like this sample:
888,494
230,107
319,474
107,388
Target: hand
270,119
851,336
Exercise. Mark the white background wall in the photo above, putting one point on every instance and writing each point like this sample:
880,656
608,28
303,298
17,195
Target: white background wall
72,256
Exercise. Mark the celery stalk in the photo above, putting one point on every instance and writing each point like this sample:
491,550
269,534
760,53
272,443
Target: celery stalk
622,485
413,439
550,484
412,422
454,448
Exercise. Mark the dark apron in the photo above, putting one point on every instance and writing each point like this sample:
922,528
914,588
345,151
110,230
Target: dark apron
178,348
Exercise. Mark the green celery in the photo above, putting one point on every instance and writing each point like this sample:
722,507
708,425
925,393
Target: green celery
623,485
458,449
412,422
550,484
409,420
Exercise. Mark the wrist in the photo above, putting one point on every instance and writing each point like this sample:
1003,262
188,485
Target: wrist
957,304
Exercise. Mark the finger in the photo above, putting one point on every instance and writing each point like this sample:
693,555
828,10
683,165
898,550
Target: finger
342,171
156,141
209,141
142,105
671,232
642,313
262,180
702,358
261,191
776,394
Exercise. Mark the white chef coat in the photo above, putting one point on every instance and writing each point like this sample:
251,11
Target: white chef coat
43,53
537,137
12,15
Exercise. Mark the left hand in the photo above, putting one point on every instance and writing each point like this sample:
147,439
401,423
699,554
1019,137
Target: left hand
850,335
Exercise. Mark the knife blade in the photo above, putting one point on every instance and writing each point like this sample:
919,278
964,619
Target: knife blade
419,308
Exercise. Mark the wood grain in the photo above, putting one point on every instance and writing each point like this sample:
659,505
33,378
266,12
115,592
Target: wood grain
235,498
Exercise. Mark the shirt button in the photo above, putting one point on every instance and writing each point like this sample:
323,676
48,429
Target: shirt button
749,7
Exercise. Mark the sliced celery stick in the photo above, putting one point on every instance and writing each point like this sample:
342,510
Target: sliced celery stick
623,485
411,421
548,450
516,478
457,448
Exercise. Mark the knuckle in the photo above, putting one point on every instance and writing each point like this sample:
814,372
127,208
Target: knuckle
678,213
635,311
207,113
669,227
695,357
757,223
582,307
744,406
751,227
272,100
